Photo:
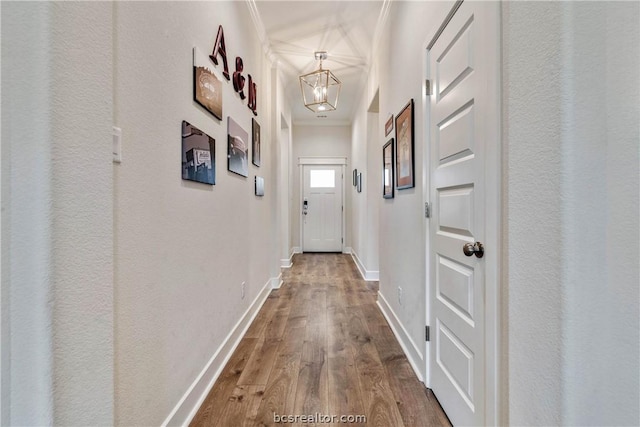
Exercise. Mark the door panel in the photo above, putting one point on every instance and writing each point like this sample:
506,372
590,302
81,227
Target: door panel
322,218
457,189
454,287
454,139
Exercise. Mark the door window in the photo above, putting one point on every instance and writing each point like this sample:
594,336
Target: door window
322,178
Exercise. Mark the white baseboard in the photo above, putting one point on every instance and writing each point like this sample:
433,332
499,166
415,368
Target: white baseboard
415,356
187,407
347,250
276,282
286,263
369,276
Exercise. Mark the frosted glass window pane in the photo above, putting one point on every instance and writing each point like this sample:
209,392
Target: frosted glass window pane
322,178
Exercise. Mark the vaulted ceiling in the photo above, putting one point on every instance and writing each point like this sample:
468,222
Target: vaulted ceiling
348,30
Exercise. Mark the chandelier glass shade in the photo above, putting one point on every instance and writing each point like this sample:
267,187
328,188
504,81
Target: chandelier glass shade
321,88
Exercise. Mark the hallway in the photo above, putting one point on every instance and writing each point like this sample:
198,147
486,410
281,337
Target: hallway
320,345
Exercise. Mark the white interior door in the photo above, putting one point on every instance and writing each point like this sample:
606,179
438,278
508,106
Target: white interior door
322,208
462,112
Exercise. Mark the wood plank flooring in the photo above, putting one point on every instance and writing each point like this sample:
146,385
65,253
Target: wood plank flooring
320,345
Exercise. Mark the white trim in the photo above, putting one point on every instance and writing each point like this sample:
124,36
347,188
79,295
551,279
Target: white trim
296,250
286,262
276,282
347,250
411,350
493,228
188,406
426,189
301,220
322,161
367,275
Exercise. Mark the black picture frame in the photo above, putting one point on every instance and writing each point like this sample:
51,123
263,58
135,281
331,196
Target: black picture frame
387,170
198,155
255,142
388,126
404,152
237,149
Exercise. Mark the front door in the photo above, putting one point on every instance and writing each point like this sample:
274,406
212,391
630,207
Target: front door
322,208
462,112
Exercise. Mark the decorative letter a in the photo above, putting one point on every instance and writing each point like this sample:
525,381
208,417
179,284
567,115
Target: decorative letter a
220,49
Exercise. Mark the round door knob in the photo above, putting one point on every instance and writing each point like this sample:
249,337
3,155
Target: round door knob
473,248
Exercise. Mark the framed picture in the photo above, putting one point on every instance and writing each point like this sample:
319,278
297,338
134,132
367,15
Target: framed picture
359,186
207,88
388,127
387,170
198,155
237,149
255,142
404,148
355,177
259,186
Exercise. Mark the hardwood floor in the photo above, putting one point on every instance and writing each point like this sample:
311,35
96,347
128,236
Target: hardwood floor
320,345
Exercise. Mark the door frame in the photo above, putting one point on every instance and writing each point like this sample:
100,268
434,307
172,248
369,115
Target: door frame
321,161
495,376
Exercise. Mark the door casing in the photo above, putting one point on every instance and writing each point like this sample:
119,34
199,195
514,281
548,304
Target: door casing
321,161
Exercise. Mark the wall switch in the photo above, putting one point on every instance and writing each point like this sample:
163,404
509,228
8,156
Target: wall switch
117,145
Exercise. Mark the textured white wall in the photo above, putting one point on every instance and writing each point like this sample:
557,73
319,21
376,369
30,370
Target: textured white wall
571,80
58,213
532,135
182,248
318,141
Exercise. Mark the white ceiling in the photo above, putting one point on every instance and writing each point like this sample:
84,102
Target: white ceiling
348,30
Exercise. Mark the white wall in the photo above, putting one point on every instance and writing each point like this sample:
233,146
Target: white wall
366,154
183,248
571,109
402,225
57,221
317,141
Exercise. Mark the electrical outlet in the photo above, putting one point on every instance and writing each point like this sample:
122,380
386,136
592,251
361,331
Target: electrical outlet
242,290
399,295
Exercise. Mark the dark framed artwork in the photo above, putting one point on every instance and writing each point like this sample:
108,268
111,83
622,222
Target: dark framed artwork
198,155
207,88
237,149
259,186
388,127
404,148
387,170
255,142
355,177
359,185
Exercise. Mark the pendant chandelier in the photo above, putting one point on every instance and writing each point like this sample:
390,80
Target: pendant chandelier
320,89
